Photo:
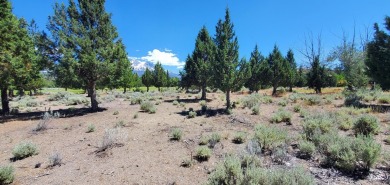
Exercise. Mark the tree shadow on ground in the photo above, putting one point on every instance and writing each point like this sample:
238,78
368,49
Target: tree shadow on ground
187,100
38,115
376,108
208,113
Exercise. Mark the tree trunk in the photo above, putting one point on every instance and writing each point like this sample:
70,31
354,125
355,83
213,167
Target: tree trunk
159,90
11,93
4,101
35,91
274,90
290,90
92,92
147,88
31,93
124,90
21,92
228,100
89,92
203,92
66,89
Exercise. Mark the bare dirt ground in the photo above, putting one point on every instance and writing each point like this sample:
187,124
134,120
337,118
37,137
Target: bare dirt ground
148,156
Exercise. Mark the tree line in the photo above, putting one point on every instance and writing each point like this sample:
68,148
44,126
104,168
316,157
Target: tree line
84,50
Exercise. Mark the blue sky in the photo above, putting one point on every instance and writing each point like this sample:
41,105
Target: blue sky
166,30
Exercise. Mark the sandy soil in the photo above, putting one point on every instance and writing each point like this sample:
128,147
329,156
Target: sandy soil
148,156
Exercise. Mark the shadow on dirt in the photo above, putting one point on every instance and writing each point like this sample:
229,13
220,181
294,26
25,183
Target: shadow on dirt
187,100
73,112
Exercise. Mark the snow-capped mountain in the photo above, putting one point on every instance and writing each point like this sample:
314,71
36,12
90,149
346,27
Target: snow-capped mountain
139,66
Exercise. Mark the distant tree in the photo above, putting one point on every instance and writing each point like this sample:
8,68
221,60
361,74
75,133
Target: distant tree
167,79
17,57
316,77
301,78
187,75
147,79
352,63
174,81
277,69
229,73
202,57
85,34
159,76
292,70
254,81
378,56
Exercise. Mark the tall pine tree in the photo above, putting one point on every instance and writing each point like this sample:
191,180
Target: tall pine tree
86,33
254,80
17,56
229,72
292,70
147,79
159,76
277,69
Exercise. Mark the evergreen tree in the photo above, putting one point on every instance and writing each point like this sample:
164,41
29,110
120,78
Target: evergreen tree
159,76
147,79
301,78
254,81
17,56
277,69
202,57
316,76
85,34
229,72
187,75
167,80
292,70
378,56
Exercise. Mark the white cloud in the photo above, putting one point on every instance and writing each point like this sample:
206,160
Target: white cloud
164,57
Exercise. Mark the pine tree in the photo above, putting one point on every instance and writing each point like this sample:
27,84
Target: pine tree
159,76
301,78
17,56
254,80
292,70
378,56
202,57
229,72
147,79
85,33
316,75
187,75
277,69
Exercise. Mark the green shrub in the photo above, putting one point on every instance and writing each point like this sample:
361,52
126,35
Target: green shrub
175,102
282,103
203,103
251,100
136,100
148,106
191,114
234,171
317,123
294,97
152,110
270,137
239,137
303,113
214,139
281,116
59,96
266,99
297,108
186,163
385,99
91,128
306,149
203,153
55,159
116,112
75,100
204,140
24,150
111,138
120,124
280,91
366,125
344,120
352,100
176,134
256,110
313,99
6,175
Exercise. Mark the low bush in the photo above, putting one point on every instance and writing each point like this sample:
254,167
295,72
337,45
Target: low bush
120,124
281,116
91,128
385,99
111,138
148,106
366,125
176,134
42,124
297,108
233,171
251,100
6,175
313,99
175,102
24,150
270,137
203,153
115,112
306,149
294,97
76,100
239,137
317,124
204,140
203,103
55,159
282,103
191,114
214,139
256,110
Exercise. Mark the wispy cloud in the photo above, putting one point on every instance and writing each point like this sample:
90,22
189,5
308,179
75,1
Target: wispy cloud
166,57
